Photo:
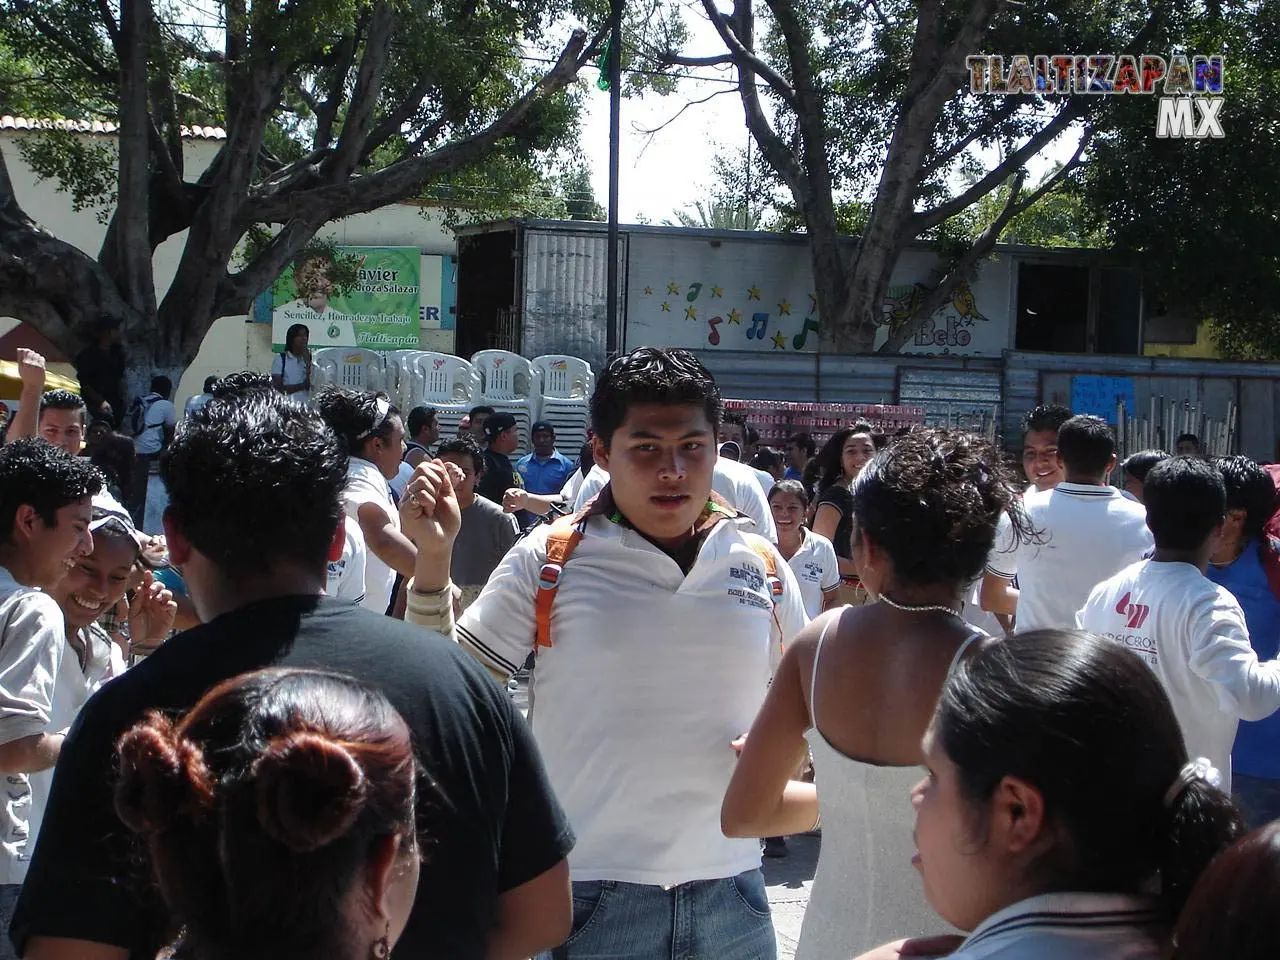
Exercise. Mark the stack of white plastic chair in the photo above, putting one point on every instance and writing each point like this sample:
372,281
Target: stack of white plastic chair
566,384
401,368
349,367
509,385
448,384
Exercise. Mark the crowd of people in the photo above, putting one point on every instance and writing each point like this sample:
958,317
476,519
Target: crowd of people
284,729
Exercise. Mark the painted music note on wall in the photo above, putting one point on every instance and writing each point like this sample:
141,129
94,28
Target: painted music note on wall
694,290
810,323
759,326
713,337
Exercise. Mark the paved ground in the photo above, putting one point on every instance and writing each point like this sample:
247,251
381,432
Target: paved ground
789,879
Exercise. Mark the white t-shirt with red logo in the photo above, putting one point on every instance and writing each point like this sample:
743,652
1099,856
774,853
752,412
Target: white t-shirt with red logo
1192,633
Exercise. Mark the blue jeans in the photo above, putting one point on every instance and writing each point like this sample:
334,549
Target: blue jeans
704,920
1258,797
8,902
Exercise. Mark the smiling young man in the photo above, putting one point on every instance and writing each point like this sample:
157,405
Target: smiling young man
655,620
45,512
1040,461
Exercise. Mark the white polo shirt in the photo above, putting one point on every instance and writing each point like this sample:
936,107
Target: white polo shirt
1087,534
650,676
345,580
1192,633
366,484
816,568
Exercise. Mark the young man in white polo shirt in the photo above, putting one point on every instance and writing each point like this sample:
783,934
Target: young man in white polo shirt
1188,629
1087,531
653,657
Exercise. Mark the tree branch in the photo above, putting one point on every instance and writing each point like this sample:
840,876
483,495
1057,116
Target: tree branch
130,262
928,219
68,45
944,279
364,99
743,55
985,128
402,178
649,131
669,58
327,112
109,22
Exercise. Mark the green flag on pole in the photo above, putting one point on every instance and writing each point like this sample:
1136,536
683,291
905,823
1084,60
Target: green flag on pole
602,64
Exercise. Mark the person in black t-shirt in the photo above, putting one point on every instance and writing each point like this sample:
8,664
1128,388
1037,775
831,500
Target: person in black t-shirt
499,473
841,460
255,485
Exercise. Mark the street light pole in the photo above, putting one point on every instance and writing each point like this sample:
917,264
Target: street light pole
615,123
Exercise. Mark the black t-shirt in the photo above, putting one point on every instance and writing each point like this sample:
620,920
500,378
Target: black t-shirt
838,496
490,821
499,477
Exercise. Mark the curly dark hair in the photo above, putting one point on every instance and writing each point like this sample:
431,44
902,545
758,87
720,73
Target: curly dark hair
1251,489
652,375
254,480
234,384
62,400
44,477
466,447
932,500
356,417
831,457
1044,417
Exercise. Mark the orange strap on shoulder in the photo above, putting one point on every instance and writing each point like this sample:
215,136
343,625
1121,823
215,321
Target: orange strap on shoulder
765,552
561,543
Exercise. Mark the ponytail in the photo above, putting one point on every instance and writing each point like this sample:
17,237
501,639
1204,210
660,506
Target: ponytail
1203,821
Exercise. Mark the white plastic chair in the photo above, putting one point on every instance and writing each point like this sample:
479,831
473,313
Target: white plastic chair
564,378
447,384
349,367
399,367
509,385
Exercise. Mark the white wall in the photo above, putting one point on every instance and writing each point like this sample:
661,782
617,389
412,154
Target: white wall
231,344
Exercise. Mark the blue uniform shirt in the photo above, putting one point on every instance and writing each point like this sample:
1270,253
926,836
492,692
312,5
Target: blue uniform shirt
545,476
1257,747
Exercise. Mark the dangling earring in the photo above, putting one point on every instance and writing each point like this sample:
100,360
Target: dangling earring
381,948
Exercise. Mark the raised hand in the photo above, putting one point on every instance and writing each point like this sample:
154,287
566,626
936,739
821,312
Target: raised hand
515,499
429,512
151,612
31,368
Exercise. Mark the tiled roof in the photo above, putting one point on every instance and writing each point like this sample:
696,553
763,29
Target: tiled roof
99,127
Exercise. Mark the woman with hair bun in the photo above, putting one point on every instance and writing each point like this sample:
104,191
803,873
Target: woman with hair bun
1061,817
859,684
279,817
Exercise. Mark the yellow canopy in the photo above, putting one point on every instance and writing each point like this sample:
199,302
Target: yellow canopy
11,382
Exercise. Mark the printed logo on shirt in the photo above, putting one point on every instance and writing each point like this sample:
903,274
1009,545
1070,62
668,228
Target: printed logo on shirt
812,572
1135,614
752,592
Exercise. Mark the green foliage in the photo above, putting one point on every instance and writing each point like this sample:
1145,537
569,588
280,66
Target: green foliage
717,215
1203,212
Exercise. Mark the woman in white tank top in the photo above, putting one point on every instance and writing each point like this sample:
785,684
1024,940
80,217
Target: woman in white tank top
860,683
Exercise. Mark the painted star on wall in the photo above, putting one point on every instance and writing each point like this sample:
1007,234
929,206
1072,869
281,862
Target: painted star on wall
691,312
648,291
753,293
673,287
717,292
735,316
784,308
779,340
666,307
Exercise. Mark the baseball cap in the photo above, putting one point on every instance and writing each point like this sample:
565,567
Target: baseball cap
497,423
543,425
108,512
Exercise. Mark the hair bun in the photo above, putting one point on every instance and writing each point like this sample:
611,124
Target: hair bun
309,789
162,774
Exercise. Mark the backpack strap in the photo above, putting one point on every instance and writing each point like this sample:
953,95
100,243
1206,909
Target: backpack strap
764,550
561,542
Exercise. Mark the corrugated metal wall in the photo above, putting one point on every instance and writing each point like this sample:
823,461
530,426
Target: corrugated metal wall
836,379
565,293
1209,386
